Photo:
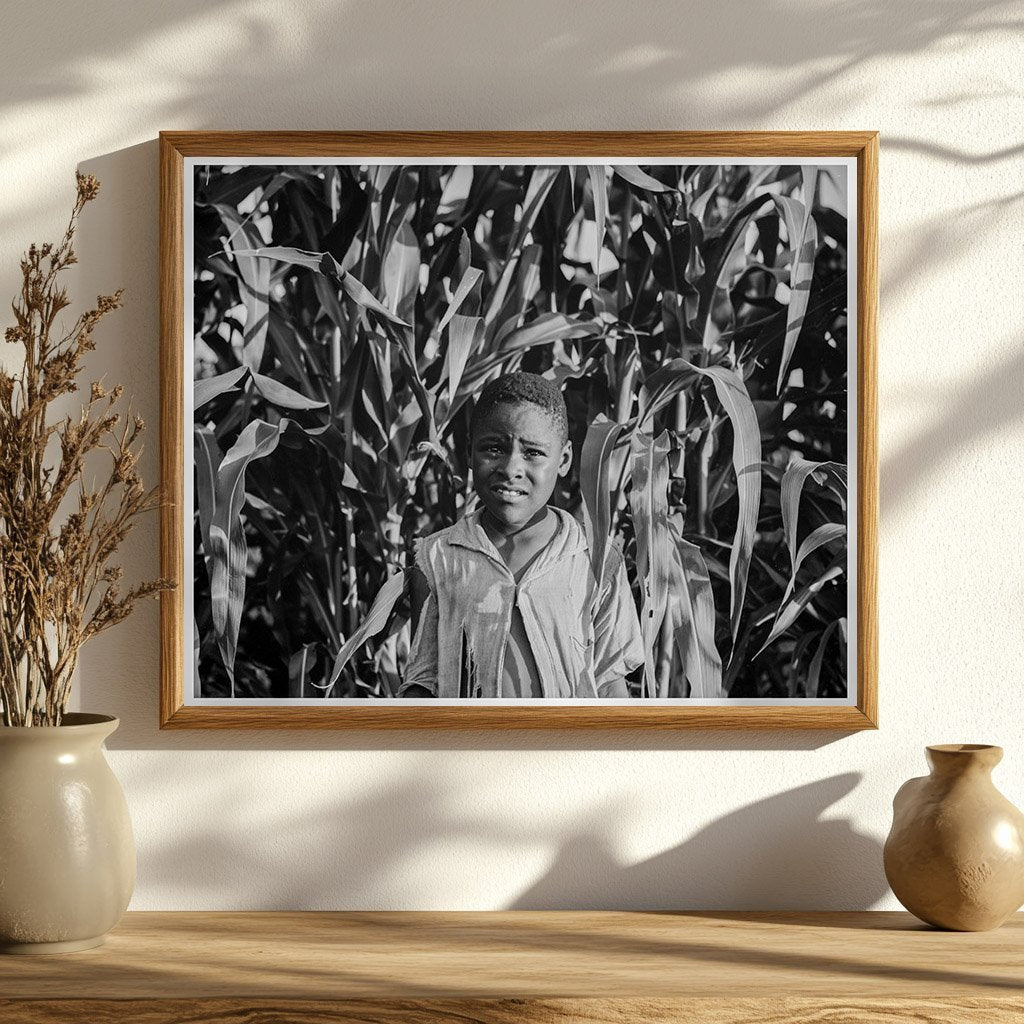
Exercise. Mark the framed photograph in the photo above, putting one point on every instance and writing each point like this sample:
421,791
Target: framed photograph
519,429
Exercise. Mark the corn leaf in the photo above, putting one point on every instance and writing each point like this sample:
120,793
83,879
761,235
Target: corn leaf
791,610
375,620
232,188
254,284
633,174
527,278
548,327
803,240
661,387
424,399
537,191
299,666
272,390
466,285
327,293
357,292
286,254
599,189
293,352
799,650
401,272
281,395
791,491
496,300
834,476
704,185
464,334
228,547
814,673
595,487
649,503
257,316
401,204
731,237
325,263
208,458
824,534
792,488
209,388
746,461
692,607
313,591
541,181
196,645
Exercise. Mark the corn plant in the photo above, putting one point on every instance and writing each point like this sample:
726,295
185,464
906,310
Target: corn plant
695,319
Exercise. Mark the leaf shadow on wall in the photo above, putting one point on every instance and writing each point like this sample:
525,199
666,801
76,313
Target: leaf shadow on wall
778,853
531,65
339,65
934,242
382,847
989,404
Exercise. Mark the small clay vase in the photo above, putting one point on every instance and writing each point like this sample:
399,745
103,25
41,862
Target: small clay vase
67,856
955,854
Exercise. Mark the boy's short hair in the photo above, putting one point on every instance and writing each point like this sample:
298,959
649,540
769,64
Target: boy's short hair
516,388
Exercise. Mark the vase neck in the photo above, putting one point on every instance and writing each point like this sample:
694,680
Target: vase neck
955,759
75,728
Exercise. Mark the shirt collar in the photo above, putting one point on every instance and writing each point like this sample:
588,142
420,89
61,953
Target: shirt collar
569,539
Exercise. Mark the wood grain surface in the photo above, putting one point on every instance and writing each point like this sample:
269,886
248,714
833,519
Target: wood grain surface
536,966
514,1011
527,954
172,450
867,430
530,145
176,146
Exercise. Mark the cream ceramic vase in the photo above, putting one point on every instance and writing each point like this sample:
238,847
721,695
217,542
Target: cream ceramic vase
67,855
955,855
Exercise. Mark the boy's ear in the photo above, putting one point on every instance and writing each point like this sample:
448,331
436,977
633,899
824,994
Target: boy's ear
565,462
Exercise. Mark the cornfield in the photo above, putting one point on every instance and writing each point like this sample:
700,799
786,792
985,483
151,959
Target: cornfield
695,318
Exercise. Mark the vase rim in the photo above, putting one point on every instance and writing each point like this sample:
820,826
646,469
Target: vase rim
962,748
73,721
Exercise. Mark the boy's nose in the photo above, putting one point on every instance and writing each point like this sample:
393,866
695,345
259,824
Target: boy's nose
513,467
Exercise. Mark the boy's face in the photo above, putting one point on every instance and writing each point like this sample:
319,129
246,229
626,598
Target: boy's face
518,455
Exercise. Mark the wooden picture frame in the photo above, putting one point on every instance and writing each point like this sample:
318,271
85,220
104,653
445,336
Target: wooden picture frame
180,152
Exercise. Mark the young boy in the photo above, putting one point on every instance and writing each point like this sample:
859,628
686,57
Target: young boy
504,603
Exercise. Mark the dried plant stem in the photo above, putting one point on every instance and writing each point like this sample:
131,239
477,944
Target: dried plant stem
58,588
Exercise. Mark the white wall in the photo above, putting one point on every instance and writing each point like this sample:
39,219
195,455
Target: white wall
763,820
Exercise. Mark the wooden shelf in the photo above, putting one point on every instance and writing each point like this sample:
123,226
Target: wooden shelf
415,968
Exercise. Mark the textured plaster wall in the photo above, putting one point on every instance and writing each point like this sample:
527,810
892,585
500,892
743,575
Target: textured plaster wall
356,820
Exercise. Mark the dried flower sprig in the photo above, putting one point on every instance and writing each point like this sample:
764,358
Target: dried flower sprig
58,588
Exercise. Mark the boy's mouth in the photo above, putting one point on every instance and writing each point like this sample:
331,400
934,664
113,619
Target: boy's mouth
508,492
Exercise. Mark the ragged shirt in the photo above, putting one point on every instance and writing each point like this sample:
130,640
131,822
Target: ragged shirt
581,637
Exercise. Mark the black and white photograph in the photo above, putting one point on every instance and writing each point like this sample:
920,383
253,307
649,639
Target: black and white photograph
533,431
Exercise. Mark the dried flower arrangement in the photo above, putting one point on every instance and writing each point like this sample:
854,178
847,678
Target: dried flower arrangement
58,588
